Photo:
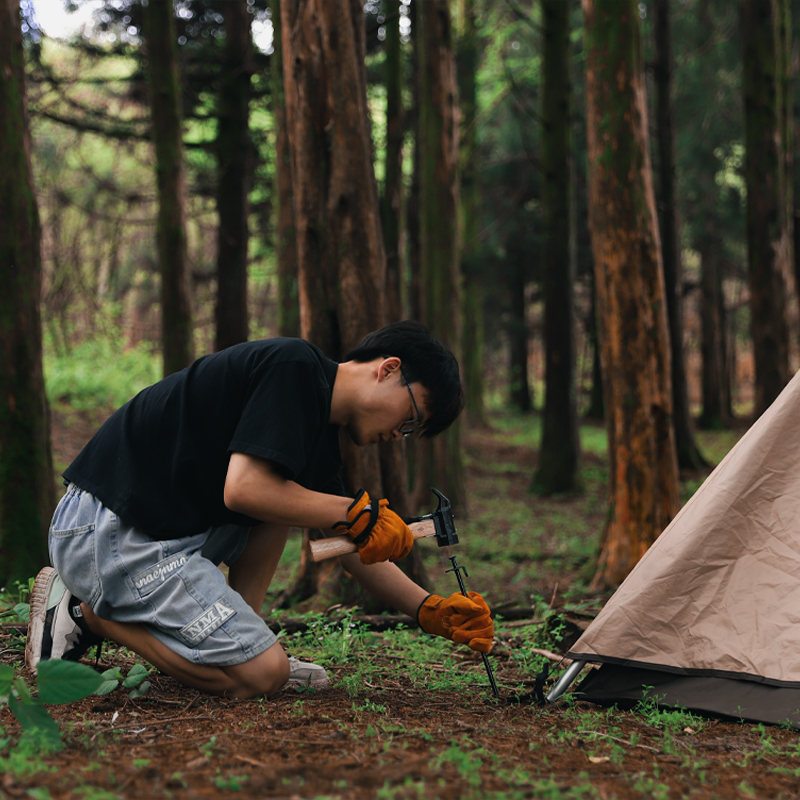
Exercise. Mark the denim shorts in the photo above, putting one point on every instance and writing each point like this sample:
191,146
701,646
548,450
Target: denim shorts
174,587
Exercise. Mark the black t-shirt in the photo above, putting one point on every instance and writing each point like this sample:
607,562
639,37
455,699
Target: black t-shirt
161,460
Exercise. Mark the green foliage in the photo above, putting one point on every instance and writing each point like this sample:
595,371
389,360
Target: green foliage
57,682
98,373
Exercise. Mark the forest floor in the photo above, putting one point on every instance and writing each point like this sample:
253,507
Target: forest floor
406,716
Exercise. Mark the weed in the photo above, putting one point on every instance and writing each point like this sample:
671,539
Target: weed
234,783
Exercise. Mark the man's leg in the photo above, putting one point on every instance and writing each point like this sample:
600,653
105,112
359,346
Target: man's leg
265,674
252,573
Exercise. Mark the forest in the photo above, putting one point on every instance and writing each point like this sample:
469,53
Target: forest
593,204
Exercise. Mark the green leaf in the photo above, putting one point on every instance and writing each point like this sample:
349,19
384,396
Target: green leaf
6,679
23,611
137,674
66,681
111,678
34,716
141,690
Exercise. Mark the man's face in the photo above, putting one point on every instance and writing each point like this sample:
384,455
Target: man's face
389,408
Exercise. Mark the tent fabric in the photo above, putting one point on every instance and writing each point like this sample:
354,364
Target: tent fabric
733,699
718,593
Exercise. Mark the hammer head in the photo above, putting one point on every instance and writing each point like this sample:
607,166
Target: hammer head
444,522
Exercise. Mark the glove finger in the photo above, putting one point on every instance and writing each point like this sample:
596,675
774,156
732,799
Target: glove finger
465,636
458,604
478,600
481,645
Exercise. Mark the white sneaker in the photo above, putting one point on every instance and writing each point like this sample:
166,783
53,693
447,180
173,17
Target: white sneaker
56,629
303,675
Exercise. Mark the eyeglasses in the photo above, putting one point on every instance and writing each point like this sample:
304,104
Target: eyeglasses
412,425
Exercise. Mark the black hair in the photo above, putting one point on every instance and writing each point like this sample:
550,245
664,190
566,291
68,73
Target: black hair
425,360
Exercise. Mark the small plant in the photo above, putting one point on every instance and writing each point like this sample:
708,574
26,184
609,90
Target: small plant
135,681
57,682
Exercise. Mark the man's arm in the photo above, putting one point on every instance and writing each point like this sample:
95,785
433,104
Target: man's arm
255,488
387,582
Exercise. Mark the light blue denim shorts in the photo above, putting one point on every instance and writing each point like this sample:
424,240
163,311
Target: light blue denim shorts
174,587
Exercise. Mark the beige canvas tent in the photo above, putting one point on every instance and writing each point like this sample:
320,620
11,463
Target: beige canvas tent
709,619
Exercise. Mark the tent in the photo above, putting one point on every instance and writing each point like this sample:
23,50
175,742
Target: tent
709,619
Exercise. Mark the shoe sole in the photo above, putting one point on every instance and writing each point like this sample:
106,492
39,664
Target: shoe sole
41,591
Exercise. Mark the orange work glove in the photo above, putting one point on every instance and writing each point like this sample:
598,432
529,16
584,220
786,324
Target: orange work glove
466,620
377,531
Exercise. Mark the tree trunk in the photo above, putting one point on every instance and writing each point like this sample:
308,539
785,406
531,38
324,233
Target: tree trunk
176,314
713,325
519,385
392,197
439,278
472,255
285,240
341,261
27,493
559,452
233,190
689,455
768,246
634,334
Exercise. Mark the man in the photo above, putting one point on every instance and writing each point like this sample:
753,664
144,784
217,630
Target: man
214,464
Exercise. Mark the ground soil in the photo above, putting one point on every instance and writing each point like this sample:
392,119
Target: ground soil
393,738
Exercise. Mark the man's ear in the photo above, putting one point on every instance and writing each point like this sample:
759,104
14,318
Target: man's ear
388,367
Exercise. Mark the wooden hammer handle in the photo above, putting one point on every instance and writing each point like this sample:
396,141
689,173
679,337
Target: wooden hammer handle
341,545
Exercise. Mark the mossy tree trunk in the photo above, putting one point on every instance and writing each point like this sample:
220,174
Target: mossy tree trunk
27,491
472,252
285,241
633,328
769,262
234,155
689,455
441,462
341,260
173,260
559,453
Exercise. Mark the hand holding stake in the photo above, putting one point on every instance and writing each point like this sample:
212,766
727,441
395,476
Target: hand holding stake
457,569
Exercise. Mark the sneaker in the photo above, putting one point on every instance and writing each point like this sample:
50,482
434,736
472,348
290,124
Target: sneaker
56,629
303,675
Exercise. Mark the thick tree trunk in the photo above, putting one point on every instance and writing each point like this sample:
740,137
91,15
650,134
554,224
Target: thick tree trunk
634,334
392,197
439,241
768,242
285,240
469,44
559,452
689,455
176,314
27,492
233,189
341,261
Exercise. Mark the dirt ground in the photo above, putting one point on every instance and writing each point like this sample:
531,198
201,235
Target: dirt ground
392,738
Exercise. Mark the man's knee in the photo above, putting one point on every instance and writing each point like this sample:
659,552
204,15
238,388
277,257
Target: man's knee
265,674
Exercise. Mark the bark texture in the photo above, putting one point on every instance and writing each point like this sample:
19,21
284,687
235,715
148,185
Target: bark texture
173,261
769,259
559,452
634,334
341,260
234,154
285,242
27,492
469,47
439,241
689,455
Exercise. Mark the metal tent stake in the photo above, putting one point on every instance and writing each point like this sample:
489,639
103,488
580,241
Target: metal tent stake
457,569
